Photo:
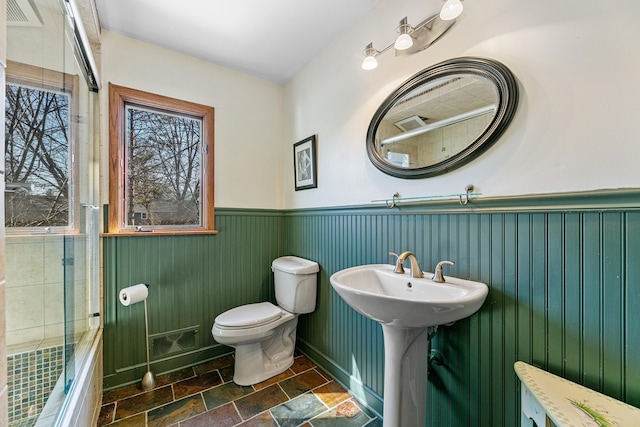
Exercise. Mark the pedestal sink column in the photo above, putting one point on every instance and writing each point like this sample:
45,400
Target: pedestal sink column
405,376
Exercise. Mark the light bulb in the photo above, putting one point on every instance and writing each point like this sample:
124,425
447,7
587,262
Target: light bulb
369,63
451,10
404,41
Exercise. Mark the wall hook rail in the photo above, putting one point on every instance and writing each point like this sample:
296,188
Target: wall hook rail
468,189
395,198
463,198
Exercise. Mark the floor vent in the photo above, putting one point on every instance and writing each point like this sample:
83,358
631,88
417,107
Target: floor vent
23,13
173,342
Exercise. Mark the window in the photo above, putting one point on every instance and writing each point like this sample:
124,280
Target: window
41,108
161,164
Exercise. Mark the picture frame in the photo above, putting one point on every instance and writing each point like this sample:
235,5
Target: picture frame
305,164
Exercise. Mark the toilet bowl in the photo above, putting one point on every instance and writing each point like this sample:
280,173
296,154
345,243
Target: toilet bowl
263,334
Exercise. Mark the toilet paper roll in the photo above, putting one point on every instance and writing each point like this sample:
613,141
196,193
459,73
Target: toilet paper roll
133,294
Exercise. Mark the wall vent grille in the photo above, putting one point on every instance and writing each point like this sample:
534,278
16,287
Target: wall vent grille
171,343
23,13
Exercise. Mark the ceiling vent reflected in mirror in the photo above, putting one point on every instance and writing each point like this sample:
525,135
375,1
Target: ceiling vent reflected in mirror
411,123
23,13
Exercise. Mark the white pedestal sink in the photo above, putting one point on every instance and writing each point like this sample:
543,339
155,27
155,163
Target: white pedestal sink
406,307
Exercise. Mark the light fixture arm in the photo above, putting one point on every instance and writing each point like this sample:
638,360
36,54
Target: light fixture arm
370,49
404,27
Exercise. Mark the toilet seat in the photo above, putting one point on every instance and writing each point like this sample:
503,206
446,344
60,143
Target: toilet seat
249,316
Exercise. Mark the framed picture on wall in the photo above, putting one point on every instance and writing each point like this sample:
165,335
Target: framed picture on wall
304,164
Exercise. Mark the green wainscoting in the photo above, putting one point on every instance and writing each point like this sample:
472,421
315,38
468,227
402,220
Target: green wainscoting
563,272
564,296
192,279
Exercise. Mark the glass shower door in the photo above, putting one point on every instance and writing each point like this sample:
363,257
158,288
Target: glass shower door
68,263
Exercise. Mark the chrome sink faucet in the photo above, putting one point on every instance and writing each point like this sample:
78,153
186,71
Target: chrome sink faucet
416,272
437,275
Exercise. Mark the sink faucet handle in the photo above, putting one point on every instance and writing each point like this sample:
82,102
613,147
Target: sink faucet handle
439,265
437,275
398,268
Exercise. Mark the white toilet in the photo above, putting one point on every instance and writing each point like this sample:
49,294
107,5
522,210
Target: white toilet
264,335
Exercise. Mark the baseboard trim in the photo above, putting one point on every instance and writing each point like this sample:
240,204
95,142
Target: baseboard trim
133,374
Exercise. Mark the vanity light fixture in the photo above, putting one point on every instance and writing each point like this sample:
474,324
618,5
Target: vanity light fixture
416,39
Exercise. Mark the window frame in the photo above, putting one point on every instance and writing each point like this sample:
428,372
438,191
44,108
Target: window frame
119,98
55,81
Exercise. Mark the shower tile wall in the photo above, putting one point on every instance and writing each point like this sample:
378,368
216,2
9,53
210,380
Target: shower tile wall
25,370
35,290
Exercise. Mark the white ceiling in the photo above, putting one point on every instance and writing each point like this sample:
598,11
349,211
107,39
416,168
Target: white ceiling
271,39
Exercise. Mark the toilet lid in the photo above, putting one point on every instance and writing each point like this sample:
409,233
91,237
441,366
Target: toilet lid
249,315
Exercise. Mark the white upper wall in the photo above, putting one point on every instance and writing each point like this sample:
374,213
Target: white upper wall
249,116
575,128
577,125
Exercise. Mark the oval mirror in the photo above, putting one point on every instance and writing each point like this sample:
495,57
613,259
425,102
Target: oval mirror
442,118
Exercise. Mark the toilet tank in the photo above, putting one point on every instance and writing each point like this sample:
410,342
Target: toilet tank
295,282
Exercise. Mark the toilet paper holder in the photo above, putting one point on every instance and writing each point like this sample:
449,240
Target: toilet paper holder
132,295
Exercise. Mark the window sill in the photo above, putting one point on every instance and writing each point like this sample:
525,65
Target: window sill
54,233
158,233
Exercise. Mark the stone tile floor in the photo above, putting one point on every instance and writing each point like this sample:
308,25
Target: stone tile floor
205,395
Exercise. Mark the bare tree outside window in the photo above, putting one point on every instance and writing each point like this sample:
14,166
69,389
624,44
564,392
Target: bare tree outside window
163,164
37,147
